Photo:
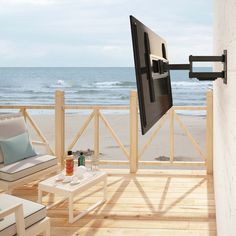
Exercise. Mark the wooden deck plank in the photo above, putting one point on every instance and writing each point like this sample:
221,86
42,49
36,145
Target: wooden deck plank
130,223
151,202
87,231
151,194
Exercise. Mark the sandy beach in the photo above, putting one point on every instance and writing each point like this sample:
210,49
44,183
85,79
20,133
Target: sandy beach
158,150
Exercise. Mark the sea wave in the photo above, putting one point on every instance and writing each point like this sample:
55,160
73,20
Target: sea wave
107,83
112,84
59,84
191,84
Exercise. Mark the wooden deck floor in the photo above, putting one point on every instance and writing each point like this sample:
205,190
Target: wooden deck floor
157,203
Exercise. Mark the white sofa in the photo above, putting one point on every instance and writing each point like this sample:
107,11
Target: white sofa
26,170
22,217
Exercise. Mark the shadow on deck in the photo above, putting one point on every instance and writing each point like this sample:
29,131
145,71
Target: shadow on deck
147,203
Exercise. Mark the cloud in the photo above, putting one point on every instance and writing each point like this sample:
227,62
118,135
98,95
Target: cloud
27,2
92,32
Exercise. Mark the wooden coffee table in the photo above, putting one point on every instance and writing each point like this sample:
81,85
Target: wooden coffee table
69,192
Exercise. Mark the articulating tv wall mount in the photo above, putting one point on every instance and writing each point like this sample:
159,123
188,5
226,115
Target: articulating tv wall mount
203,75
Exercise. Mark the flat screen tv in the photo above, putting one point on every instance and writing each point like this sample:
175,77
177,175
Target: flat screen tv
152,75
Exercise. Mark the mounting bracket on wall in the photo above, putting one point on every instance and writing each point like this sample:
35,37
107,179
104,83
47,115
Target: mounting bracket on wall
203,75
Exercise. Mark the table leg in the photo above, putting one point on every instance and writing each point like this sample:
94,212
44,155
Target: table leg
73,218
71,212
105,189
40,195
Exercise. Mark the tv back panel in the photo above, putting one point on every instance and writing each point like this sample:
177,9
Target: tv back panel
152,74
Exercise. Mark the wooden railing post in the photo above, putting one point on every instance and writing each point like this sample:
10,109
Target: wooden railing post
172,135
23,112
133,132
209,133
60,127
96,134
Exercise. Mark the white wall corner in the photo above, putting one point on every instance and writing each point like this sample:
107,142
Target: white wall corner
225,119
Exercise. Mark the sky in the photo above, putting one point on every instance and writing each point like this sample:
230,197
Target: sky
89,33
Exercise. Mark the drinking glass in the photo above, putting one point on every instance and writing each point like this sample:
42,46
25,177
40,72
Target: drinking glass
94,163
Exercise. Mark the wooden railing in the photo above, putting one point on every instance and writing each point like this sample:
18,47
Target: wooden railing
134,154
96,116
28,118
173,116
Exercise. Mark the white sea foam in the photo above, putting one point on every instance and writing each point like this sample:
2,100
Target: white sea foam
191,84
60,84
107,84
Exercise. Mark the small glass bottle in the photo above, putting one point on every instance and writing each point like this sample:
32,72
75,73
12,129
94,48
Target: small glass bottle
78,161
94,163
81,159
75,165
69,164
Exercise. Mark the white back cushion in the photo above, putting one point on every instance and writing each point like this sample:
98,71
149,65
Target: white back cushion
11,126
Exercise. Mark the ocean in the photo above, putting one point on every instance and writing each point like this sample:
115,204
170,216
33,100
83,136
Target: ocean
89,85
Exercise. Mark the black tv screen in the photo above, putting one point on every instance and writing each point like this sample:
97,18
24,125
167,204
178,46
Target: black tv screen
152,75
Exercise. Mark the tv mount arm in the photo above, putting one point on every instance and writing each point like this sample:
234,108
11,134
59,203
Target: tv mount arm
203,75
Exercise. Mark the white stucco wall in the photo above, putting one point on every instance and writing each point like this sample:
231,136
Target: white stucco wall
225,119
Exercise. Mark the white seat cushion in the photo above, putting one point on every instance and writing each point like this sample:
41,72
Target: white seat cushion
28,166
33,213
